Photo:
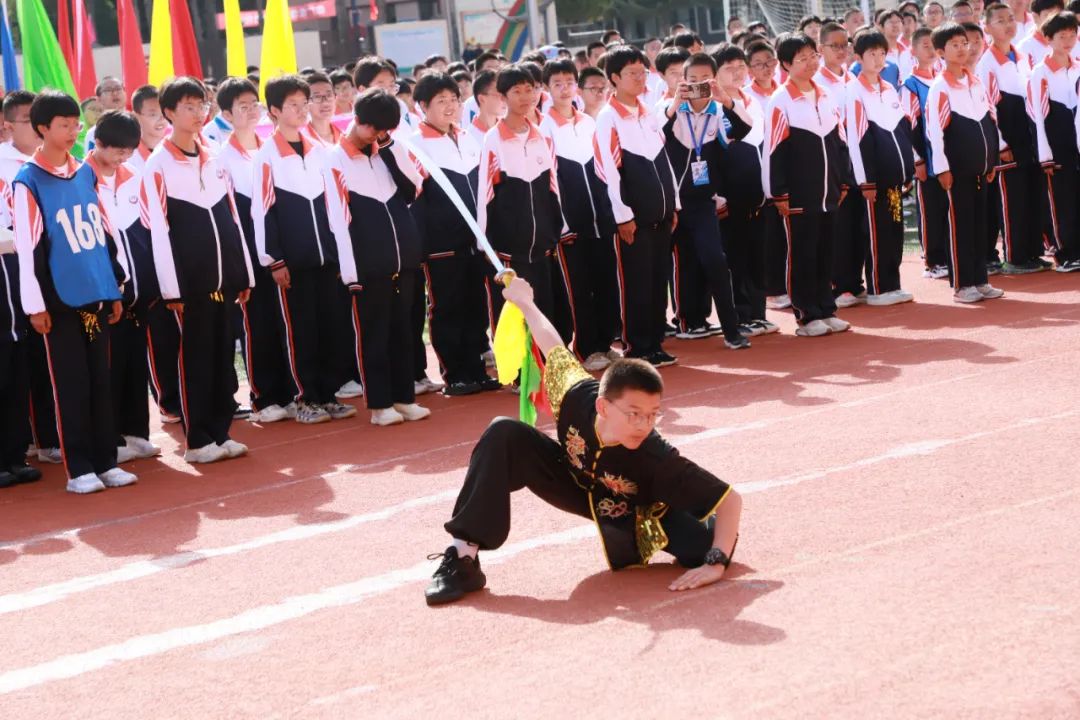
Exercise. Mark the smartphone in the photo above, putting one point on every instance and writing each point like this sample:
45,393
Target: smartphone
697,91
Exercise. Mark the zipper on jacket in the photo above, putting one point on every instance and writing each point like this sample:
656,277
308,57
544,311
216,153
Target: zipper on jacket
393,229
986,146
532,217
663,194
592,204
318,238
217,246
130,263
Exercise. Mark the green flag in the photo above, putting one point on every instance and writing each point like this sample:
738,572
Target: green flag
43,63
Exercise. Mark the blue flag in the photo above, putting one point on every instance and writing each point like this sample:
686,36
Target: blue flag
7,49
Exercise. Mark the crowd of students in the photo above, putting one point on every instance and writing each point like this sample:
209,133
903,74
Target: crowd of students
323,226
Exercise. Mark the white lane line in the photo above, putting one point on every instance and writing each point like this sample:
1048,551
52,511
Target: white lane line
351,593
133,571
291,608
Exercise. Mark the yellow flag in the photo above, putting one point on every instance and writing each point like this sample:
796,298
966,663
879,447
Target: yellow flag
235,52
510,334
278,46
161,54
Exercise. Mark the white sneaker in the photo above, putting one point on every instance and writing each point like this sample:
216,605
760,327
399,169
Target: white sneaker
846,300
767,328
386,416
596,361
778,302
142,447
269,414
117,477
432,385
835,324
893,297
206,454
990,292
89,483
936,272
969,294
350,389
234,449
814,328
412,411
420,387
124,454
50,455
311,414
290,410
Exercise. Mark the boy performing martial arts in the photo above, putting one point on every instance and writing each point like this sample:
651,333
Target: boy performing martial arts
609,464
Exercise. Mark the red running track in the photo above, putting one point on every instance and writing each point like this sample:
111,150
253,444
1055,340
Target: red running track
908,550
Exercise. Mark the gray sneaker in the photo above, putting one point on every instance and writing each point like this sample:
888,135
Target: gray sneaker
339,411
308,414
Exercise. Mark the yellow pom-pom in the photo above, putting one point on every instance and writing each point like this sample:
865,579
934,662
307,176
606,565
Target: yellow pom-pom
509,344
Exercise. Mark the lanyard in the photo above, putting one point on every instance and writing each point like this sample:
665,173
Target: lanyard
698,142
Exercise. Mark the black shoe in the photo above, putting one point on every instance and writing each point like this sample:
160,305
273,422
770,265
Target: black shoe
490,383
456,389
737,342
6,479
661,359
1044,263
993,268
694,333
241,413
455,577
670,330
24,473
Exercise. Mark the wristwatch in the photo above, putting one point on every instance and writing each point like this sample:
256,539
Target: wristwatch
716,556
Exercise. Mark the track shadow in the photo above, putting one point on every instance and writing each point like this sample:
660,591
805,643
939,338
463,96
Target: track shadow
1008,311
641,596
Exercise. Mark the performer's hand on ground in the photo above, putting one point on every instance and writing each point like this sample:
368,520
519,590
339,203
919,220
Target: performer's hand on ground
519,292
698,577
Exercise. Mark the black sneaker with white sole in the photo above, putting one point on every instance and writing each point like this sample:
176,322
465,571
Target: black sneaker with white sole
454,578
457,389
1068,266
695,333
489,383
737,342
661,359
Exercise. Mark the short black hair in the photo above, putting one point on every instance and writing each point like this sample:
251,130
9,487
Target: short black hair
616,59
283,87
670,56
974,27
807,20
789,46
851,11
993,7
118,129
1041,6
870,40
483,58
608,34
759,46
317,77
886,14
536,56
49,105
559,67
700,60
369,68
946,32
593,45
587,73
728,52
923,31
686,39
177,89
231,88
15,100
461,76
340,76
533,69
829,28
432,84
252,69
377,108
456,67
630,374
483,82
1064,20
432,59
141,95
512,76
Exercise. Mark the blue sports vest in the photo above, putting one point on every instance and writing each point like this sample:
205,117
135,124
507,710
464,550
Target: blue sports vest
890,73
922,92
74,234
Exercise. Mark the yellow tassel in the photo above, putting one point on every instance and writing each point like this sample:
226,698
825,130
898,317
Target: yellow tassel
896,204
91,324
509,342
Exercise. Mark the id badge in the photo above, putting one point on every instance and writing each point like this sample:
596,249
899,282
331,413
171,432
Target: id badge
699,172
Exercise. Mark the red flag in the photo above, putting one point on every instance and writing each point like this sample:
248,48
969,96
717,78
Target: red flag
132,59
185,50
83,74
63,34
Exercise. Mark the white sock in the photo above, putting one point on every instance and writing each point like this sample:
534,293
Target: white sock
465,549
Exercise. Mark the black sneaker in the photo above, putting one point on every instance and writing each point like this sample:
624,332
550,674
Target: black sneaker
738,342
1046,264
454,578
456,389
694,333
1068,266
661,359
993,268
1024,268
670,330
24,473
241,413
6,479
489,383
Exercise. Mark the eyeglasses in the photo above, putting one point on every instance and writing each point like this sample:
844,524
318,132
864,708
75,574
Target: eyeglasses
770,64
245,107
838,47
192,108
595,88
639,419
322,98
563,85
808,58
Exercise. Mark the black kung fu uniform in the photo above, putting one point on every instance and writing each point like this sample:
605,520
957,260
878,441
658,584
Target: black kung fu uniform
642,500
